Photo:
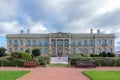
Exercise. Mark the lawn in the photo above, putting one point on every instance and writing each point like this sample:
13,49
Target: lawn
103,75
59,64
11,75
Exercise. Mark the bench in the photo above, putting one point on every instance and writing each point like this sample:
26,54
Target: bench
30,64
84,64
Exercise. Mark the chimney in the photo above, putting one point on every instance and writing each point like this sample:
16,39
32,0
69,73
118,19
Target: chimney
91,31
22,31
98,31
28,31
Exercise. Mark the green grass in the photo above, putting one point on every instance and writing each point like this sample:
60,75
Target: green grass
64,65
103,75
11,75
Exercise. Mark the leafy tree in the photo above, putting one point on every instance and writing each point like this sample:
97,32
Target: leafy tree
103,54
16,55
27,50
26,56
109,54
2,51
36,52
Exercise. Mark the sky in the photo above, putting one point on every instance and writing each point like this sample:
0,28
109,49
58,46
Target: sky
46,16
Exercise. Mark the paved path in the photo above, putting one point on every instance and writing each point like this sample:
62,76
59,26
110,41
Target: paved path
56,73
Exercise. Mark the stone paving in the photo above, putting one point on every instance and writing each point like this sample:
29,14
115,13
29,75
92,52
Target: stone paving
56,73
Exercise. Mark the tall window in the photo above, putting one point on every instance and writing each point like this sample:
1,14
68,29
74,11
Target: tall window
66,43
79,43
53,50
73,50
91,51
85,51
99,42
45,43
40,43
103,50
21,50
53,43
28,43
34,43
16,42
46,50
79,51
104,42
98,50
110,42
10,50
60,43
66,50
10,42
41,50
21,42
85,42
109,50
73,43
91,43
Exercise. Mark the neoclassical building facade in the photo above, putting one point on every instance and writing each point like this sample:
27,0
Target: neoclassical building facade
65,43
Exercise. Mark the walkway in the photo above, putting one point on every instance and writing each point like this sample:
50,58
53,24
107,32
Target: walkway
56,73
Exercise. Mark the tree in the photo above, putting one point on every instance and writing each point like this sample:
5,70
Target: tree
2,52
26,56
16,55
36,52
109,54
27,50
103,54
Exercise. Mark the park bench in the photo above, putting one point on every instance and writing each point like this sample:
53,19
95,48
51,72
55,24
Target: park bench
84,64
30,64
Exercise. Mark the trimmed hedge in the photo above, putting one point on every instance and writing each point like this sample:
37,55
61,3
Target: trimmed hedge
99,61
13,63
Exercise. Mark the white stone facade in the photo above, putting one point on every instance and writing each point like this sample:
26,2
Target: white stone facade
65,43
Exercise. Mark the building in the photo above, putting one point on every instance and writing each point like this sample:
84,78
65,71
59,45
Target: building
65,43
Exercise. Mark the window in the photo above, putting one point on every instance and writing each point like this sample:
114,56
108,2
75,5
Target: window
110,42
66,50
28,43
99,42
109,50
10,42
34,43
103,50
85,50
53,43
79,43
21,50
79,51
91,43
16,42
53,50
21,42
60,43
40,43
41,50
73,50
98,51
10,50
85,42
45,43
66,43
45,50
73,43
104,42
91,51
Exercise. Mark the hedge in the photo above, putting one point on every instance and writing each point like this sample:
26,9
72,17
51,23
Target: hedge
42,60
99,61
13,63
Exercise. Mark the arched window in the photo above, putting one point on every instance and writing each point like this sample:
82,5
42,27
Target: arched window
73,50
40,43
109,50
91,51
85,51
103,50
98,50
79,51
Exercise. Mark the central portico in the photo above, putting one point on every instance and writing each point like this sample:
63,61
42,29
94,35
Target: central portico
59,43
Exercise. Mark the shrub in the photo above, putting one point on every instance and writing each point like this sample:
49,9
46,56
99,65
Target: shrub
16,55
94,55
26,56
2,51
36,52
103,54
109,54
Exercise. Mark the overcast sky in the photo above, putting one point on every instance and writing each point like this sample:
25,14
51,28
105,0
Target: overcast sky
75,16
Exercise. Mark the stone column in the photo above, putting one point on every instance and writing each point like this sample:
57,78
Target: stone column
50,43
56,46
69,47
63,46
